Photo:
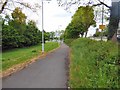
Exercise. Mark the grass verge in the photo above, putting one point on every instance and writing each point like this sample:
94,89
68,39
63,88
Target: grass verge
94,64
17,56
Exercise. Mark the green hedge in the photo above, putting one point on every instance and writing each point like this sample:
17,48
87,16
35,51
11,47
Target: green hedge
94,64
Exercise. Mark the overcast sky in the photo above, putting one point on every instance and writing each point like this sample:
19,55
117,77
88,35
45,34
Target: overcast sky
55,17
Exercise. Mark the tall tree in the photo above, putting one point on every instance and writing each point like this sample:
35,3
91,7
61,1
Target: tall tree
71,32
83,21
113,21
18,15
18,20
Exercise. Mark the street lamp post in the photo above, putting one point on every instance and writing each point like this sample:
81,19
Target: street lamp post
42,29
59,33
43,48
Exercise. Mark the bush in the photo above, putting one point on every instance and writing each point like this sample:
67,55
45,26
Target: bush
16,32
94,64
69,41
13,38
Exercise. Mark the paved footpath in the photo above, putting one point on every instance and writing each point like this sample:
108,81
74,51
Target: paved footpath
49,72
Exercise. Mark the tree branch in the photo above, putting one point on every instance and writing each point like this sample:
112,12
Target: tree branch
72,2
104,4
97,4
3,6
29,6
8,9
33,8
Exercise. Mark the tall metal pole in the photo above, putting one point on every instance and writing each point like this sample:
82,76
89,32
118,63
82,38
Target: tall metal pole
59,32
42,29
102,20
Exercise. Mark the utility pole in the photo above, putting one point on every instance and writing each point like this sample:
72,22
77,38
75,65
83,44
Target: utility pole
59,33
102,21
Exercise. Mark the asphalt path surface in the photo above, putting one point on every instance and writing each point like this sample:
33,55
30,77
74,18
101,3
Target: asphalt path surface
49,72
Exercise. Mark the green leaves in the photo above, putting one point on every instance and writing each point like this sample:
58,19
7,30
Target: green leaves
81,21
18,15
83,18
17,33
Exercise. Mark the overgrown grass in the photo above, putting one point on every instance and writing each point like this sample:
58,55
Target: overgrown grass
94,64
16,56
69,41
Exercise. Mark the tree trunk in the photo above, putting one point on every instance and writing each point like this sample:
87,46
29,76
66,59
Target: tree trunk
113,26
114,20
86,34
82,34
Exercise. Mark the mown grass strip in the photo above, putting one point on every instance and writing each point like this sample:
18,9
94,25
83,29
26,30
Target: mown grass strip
20,55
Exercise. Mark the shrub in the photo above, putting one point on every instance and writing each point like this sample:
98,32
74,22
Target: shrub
69,41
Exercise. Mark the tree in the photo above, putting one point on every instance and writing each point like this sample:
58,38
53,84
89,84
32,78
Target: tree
7,4
47,36
17,33
10,37
18,15
71,32
52,35
83,21
18,20
62,34
80,22
32,34
113,21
